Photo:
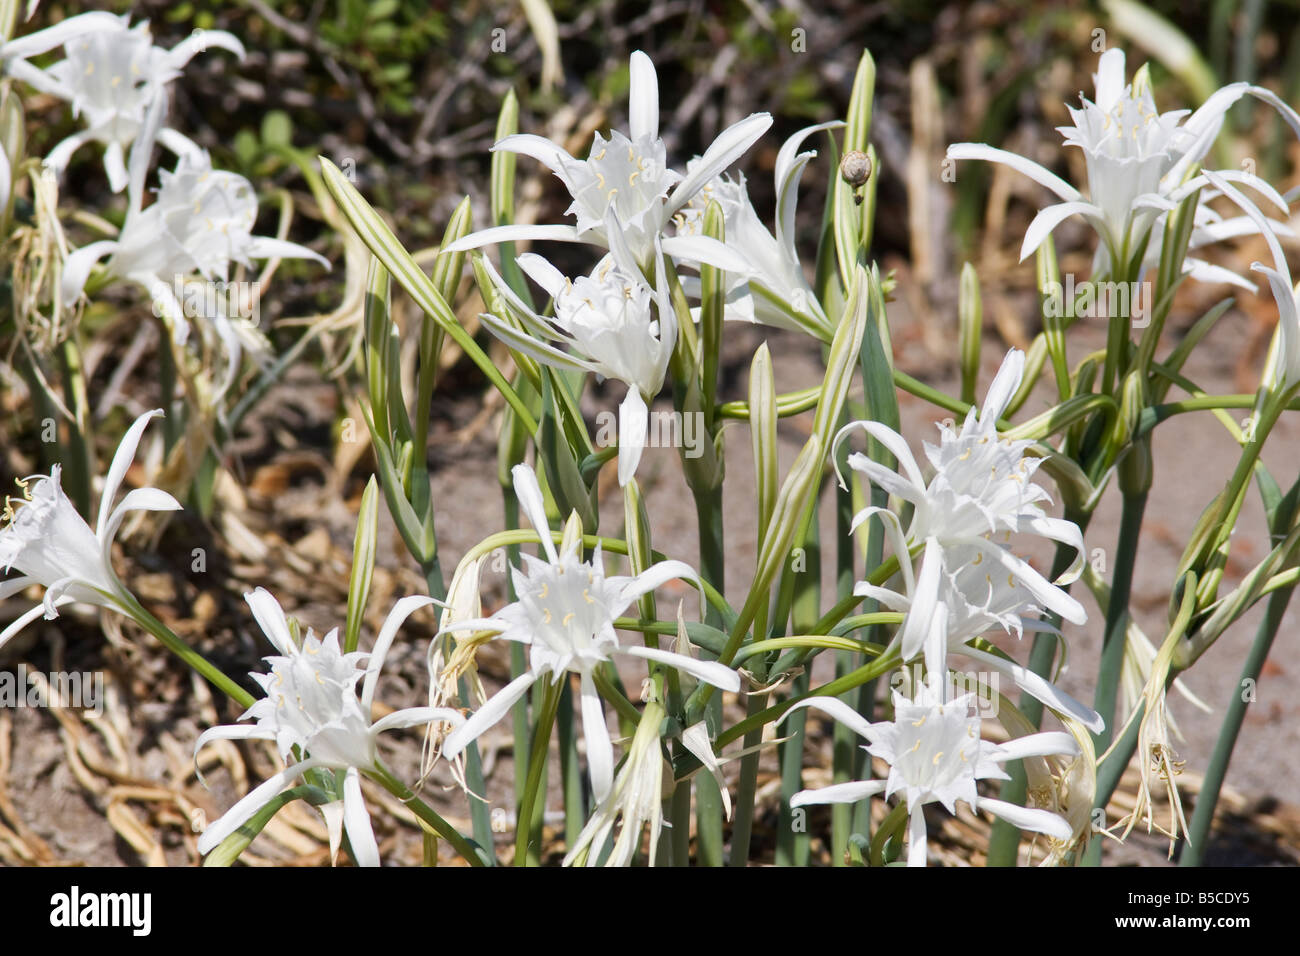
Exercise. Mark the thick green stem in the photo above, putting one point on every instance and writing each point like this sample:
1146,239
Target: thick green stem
708,798
526,854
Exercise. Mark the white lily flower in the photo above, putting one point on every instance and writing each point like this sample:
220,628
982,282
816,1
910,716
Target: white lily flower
961,594
1137,159
606,323
199,224
982,487
565,614
110,75
777,293
50,544
969,582
936,755
311,703
630,175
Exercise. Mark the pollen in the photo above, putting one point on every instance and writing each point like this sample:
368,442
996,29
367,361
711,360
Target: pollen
567,618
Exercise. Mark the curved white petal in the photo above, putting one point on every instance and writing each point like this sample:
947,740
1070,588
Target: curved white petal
850,792
730,145
529,493
492,711
240,813
1048,219
711,672
117,470
396,618
1020,164
1037,687
415,717
839,710
487,237
1039,821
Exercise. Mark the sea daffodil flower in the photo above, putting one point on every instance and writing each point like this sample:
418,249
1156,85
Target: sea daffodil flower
311,704
199,224
607,326
1137,157
936,755
565,614
776,293
50,544
630,175
110,75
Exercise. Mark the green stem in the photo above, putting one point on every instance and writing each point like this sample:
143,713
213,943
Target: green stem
473,855
1193,851
525,853
708,798
196,661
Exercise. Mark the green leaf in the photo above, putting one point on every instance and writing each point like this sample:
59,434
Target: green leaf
374,232
363,563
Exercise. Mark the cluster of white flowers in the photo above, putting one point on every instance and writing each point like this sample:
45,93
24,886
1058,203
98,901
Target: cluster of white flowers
200,222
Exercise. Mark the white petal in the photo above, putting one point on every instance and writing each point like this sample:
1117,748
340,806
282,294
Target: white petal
730,145
916,836
633,424
396,618
1020,164
356,820
1036,745
1037,687
1004,386
270,618
492,711
415,717
839,710
711,672
707,250
1048,219
600,752
1039,821
850,792
117,470
529,493
643,100
486,237
240,813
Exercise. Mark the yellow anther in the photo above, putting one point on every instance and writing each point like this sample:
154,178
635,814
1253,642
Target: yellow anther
915,747
545,590
921,722
938,757
600,181
631,180
546,615
567,618
601,155
588,597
